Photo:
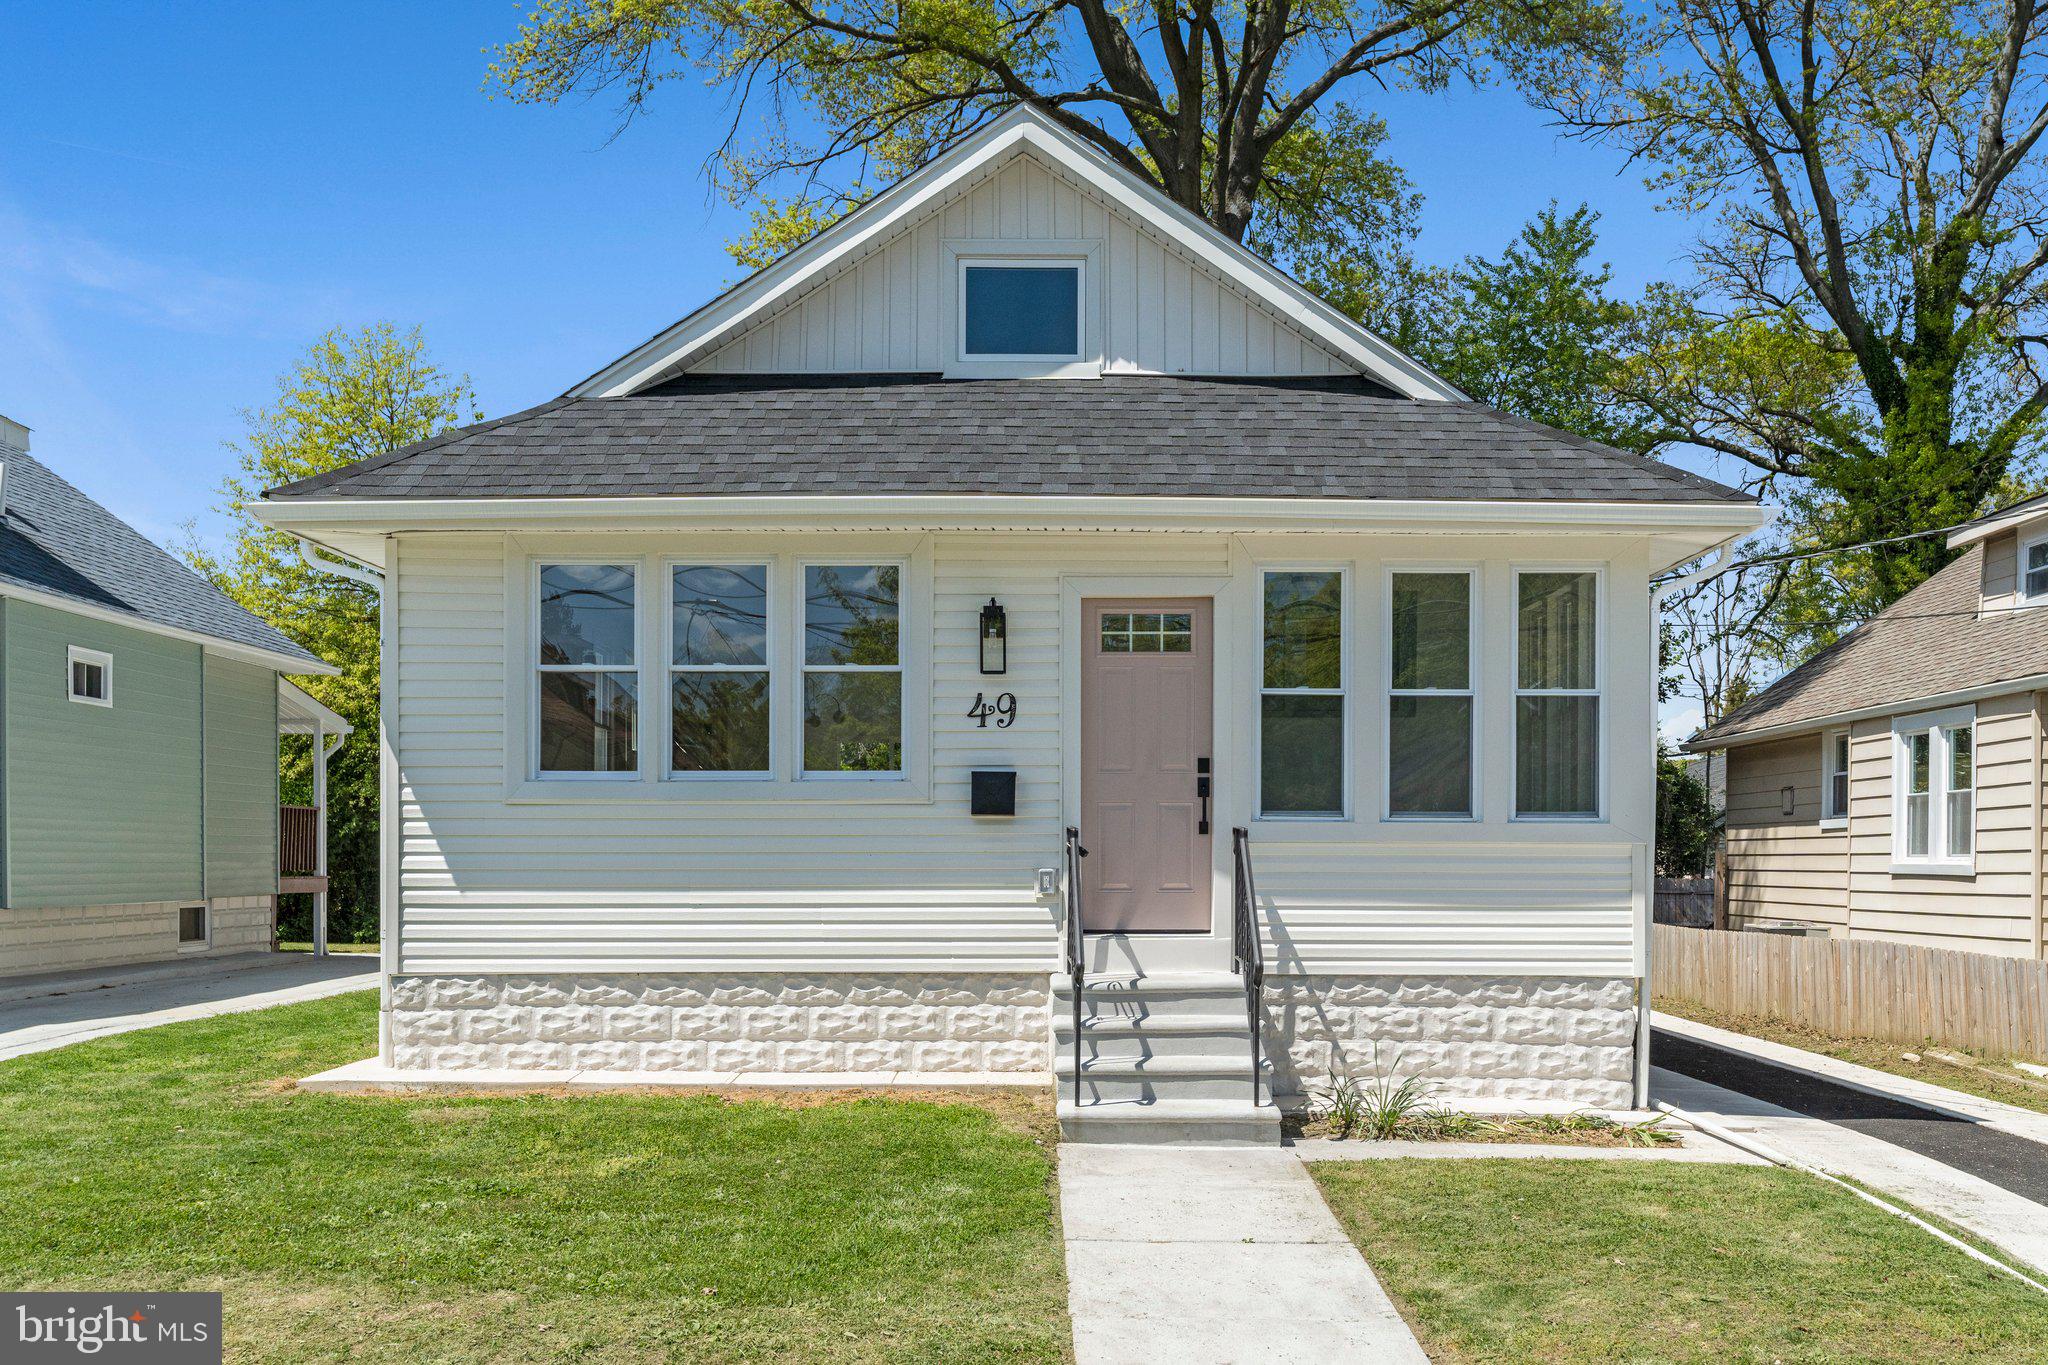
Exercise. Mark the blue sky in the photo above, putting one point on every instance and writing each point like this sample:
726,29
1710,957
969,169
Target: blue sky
189,194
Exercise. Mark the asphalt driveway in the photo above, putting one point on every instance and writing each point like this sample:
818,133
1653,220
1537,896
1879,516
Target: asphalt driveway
44,1012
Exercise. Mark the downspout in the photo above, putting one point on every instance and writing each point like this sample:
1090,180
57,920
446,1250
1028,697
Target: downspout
1712,566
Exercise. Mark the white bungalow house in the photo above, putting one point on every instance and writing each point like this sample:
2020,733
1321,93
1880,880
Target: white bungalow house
747,707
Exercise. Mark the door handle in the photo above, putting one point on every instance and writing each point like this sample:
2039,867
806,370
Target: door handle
1202,790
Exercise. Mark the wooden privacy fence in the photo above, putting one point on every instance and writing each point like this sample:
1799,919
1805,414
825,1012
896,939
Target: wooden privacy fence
1859,987
1685,900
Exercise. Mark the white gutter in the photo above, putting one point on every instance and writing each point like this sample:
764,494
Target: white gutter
2033,682
986,512
271,659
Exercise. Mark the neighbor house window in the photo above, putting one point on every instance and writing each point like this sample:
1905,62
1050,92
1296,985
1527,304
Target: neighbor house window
90,676
1429,694
1834,786
192,926
2033,555
1557,694
1935,806
853,669
588,680
1020,310
718,669
1301,694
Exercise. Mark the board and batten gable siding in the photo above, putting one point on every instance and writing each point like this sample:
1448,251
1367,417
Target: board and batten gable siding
240,732
1783,867
717,877
892,309
105,806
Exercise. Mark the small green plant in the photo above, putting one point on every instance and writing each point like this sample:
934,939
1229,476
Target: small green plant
1379,1109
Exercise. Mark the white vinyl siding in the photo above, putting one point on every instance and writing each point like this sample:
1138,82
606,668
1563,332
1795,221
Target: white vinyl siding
806,876
893,309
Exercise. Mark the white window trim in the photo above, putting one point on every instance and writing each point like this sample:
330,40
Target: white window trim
1601,636
1084,253
99,658
523,553
1840,820
2019,568
204,941
773,666
1346,636
1938,862
905,713
1389,692
638,668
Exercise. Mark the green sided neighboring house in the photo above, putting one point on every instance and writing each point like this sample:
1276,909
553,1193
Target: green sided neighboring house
140,711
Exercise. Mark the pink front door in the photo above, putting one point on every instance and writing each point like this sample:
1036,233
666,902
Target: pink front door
1146,683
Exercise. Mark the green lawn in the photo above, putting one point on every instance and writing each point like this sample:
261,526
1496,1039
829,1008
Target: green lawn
595,1228
1571,1261
1993,1078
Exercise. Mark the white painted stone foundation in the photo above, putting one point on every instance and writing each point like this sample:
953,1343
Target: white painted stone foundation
757,1022
1569,1039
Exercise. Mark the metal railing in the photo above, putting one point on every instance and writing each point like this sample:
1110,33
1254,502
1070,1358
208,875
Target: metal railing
1247,953
1076,960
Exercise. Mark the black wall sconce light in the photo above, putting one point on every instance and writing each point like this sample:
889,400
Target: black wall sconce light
995,642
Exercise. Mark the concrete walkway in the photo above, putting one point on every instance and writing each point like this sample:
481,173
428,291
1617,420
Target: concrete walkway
1215,1256
40,1013
2016,1225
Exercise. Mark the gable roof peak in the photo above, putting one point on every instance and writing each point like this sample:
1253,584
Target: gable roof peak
1019,130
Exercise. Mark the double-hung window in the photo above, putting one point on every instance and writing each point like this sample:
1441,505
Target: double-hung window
1834,785
719,717
1934,826
2033,554
1557,694
1429,694
1301,694
853,669
588,684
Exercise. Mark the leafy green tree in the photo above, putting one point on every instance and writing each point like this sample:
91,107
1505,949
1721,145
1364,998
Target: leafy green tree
1235,111
352,396
1687,825
1873,247
1537,333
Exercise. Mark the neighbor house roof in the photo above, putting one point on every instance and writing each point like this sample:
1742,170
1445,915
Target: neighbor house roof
1931,644
919,434
60,545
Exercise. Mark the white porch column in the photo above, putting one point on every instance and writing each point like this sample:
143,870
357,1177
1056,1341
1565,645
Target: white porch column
320,837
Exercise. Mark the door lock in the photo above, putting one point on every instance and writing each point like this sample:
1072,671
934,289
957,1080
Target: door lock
1202,790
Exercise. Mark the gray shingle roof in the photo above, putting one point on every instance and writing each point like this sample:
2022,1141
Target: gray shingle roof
855,434
54,539
1929,643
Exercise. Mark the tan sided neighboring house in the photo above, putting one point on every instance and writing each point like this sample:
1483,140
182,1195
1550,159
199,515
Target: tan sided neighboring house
1891,787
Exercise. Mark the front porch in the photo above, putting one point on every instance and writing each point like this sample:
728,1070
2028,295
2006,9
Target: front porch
302,829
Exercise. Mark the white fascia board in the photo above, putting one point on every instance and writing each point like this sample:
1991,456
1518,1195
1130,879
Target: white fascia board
304,707
1022,127
1991,526
1909,706
282,663
928,512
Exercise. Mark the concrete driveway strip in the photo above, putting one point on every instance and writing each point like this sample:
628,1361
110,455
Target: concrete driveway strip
2016,1225
40,1015
1216,1256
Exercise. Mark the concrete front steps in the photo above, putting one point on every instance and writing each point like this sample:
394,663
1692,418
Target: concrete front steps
1165,1059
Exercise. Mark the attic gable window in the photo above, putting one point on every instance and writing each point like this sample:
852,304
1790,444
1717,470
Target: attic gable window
2034,568
91,674
1025,309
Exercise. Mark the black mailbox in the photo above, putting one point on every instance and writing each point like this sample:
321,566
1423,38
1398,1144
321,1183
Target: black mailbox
993,793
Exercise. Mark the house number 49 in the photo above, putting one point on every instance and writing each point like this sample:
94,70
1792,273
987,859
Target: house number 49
1004,709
